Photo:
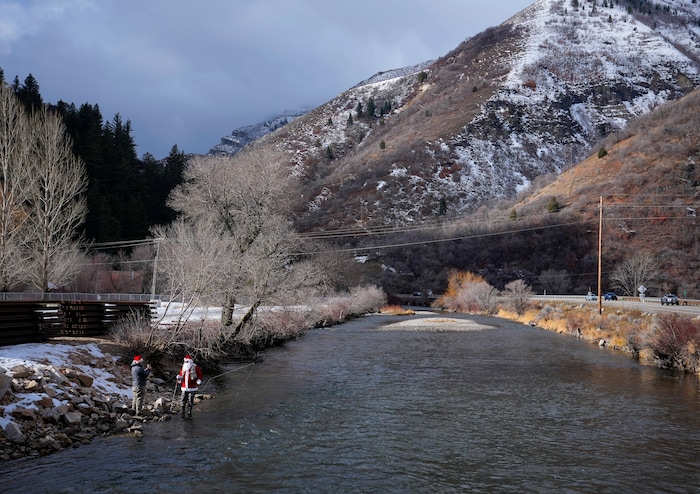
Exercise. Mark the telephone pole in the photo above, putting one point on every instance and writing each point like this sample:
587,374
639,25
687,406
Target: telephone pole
600,255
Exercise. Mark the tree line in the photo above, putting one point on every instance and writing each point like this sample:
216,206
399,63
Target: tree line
228,243
41,198
125,195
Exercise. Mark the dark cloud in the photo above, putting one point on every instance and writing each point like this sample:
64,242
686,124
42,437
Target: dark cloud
187,72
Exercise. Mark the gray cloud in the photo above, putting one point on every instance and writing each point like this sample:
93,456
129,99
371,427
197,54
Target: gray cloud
187,73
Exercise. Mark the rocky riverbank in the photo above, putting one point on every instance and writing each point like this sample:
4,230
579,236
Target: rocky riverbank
62,395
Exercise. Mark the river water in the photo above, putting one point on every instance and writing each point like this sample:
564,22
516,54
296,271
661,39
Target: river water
357,409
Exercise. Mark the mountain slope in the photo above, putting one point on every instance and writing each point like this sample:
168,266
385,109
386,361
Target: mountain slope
523,99
648,180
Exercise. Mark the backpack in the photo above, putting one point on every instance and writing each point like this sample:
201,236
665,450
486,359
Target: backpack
192,371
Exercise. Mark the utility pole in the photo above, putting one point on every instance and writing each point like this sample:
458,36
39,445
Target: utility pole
600,255
155,269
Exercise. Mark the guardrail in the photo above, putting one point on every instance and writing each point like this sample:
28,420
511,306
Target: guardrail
95,297
657,300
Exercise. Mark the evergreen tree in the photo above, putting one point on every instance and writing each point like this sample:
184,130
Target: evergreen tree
443,207
553,206
386,108
371,108
29,94
175,165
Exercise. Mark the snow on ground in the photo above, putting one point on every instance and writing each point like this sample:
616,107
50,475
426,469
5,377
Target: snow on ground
41,356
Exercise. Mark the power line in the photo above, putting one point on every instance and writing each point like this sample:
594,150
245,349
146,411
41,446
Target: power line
122,243
449,239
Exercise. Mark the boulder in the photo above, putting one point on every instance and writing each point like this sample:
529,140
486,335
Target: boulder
51,416
14,433
45,402
5,382
48,442
50,391
85,380
21,372
55,376
24,414
159,405
120,407
72,418
31,385
121,424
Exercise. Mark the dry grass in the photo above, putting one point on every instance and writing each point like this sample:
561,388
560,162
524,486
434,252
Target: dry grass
396,310
621,329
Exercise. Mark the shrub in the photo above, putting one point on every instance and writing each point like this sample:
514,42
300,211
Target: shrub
553,205
675,341
468,292
332,312
364,299
132,332
397,310
273,327
162,343
517,294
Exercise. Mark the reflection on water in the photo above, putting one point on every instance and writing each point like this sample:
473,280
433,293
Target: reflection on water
352,409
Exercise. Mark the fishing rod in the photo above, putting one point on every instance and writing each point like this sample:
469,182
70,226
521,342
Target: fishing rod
177,384
227,372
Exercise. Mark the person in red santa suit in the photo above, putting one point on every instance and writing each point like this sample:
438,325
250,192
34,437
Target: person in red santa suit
189,377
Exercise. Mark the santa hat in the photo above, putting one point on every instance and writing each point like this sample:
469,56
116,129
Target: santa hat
188,358
138,359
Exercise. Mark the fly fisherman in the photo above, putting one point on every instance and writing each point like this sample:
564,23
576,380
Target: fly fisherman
139,377
190,377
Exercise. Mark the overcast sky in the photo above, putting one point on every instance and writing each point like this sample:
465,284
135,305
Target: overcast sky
188,72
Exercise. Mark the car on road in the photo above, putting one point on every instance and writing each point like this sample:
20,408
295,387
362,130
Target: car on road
669,299
591,296
610,296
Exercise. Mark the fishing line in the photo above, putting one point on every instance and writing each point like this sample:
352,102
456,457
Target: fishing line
229,372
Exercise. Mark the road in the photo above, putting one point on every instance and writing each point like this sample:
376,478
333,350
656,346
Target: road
651,304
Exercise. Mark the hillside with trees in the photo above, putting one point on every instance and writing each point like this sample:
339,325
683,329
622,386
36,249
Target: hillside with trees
648,180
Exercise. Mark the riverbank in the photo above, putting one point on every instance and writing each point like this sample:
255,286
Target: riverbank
633,332
64,393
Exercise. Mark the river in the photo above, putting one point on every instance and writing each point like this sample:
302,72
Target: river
360,409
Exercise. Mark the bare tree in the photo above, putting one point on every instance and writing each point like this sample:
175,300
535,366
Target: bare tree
635,271
555,281
56,204
518,293
16,180
233,243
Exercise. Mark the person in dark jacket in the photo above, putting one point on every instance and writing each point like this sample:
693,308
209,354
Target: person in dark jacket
189,377
139,377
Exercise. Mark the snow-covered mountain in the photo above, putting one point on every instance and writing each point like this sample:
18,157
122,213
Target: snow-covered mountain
242,136
529,97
